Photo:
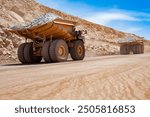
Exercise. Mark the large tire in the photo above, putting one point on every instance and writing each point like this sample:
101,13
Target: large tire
125,49
136,49
77,52
59,51
139,49
46,52
29,56
128,49
142,49
121,50
21,53
131,50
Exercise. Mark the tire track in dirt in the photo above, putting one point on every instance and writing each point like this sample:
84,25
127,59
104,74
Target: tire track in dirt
113,78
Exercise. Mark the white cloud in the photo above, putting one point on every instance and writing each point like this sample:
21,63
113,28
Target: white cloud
123,20
101,16
106,17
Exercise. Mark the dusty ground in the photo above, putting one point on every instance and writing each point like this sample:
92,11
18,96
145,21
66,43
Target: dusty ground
107,77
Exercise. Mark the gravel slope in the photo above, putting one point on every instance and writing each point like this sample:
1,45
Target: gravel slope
100,40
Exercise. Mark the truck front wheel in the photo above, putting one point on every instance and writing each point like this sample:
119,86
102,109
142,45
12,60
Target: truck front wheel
77,52
59,50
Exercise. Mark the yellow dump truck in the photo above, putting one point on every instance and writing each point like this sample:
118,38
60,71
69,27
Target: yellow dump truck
131,46
52,41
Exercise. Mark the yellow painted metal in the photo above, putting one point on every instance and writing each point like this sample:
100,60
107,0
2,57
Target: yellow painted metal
133,43
58,29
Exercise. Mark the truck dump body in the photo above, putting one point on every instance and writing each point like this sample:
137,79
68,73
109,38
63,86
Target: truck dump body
131,46
58,28
52,38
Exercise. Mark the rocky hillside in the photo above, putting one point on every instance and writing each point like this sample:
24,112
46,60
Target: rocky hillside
100,40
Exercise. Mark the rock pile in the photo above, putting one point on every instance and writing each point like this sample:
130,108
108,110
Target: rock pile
49,17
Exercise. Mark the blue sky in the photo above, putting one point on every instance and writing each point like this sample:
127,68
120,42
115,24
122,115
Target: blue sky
131,16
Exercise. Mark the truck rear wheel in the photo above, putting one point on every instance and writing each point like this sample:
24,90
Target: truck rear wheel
77,52
124,49
121,50
21,53
29,56
46,52
141,49
59,50
135,49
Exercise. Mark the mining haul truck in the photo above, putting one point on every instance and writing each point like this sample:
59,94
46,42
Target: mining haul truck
131,46
52,41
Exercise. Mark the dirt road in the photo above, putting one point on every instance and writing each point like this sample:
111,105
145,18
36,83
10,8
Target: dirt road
107,77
